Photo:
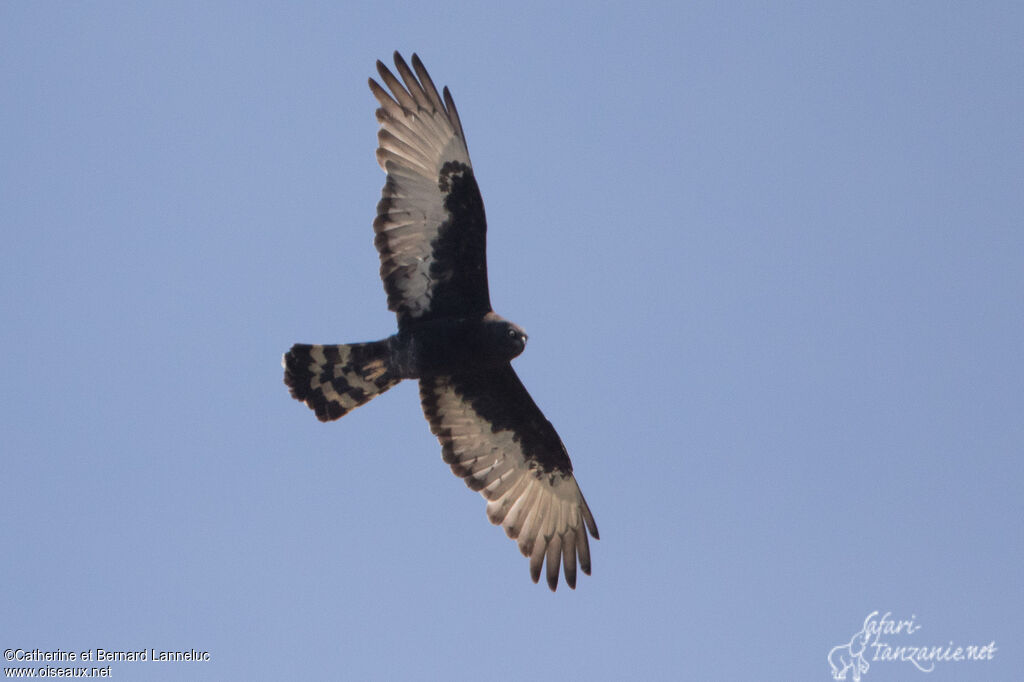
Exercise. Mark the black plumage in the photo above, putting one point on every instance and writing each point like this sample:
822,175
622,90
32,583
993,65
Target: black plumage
431,238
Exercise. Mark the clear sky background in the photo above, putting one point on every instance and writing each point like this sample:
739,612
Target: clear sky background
770,258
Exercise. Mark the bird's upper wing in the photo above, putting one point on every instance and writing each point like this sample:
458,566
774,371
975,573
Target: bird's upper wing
430,225
495,437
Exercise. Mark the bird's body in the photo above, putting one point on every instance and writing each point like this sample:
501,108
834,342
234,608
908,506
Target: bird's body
431,237
470,344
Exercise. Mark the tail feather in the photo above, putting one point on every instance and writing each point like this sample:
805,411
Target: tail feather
334,380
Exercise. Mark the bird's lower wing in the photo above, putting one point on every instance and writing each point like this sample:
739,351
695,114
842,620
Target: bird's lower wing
496,438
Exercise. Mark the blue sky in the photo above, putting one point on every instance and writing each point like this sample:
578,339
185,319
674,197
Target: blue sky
769,257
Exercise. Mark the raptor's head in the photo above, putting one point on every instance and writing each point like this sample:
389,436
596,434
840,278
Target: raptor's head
507,339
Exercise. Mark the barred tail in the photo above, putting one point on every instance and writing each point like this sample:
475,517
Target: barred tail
334,380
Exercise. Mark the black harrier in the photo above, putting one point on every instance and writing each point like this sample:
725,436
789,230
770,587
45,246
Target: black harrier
431,235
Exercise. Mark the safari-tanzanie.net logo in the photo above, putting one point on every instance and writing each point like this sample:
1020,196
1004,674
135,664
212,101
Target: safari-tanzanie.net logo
883,639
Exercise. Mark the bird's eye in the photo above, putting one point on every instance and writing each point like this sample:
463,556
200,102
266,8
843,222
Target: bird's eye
511,333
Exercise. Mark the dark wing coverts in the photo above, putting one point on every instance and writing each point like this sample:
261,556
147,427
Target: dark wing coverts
430,225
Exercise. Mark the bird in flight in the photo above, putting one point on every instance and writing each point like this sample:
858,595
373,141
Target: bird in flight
431,238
